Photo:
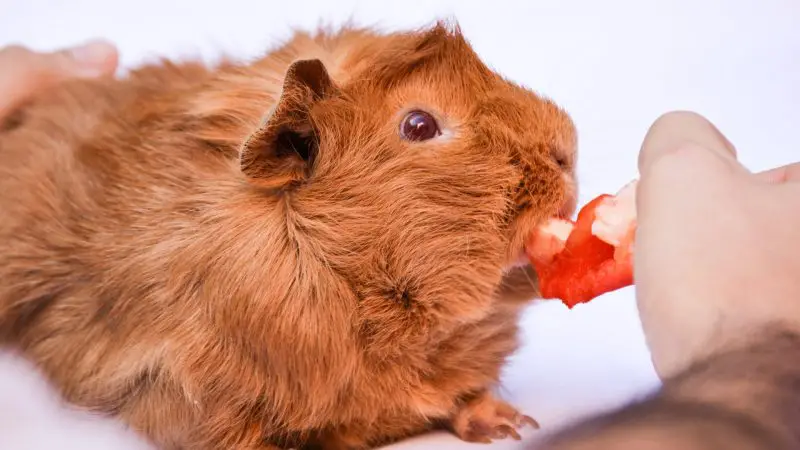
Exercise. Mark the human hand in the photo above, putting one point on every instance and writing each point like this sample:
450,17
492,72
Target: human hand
717,247
23,72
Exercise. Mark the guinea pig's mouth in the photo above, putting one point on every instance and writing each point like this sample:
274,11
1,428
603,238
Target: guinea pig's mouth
520,279
519,256
519,282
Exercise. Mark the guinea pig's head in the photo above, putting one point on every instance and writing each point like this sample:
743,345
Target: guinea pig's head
414,174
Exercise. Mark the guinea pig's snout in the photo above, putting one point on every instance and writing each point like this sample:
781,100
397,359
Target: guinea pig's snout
558,199
570,198
564,158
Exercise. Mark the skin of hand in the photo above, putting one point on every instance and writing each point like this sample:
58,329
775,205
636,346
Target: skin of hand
718,289
716,249
23,71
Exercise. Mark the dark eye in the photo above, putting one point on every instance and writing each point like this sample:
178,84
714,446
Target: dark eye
419,126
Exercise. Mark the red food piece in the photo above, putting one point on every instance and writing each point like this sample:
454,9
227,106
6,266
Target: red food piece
549,240
588,266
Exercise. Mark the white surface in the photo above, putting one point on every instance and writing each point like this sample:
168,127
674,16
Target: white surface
615,65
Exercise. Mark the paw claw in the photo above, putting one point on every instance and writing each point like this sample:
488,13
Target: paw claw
529,421
486,419
506,431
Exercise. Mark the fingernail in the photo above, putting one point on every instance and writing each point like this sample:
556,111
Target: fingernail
775,176
94,57
783,174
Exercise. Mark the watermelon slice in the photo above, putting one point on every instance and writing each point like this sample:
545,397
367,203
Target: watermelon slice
579,261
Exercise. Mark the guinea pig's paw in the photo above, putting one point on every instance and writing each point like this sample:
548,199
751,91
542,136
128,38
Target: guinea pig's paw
486,418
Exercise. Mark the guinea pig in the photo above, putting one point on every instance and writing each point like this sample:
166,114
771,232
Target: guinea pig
316,249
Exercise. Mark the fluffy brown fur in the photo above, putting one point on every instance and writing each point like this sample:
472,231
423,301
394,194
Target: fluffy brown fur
250,256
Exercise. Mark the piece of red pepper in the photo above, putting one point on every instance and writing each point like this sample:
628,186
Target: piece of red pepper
586,268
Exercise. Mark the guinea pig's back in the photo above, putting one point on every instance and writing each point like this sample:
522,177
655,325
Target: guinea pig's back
91,173
72,146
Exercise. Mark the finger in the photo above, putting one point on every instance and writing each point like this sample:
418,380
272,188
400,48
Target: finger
93,59
26,67
789,172
23,72
688,172
676,130
678,203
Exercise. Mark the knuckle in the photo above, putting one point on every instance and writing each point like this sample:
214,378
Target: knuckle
16,54
24,69
23,61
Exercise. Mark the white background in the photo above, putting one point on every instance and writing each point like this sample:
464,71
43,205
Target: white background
615,65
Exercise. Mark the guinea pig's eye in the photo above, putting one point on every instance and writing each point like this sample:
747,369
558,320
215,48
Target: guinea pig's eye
419,126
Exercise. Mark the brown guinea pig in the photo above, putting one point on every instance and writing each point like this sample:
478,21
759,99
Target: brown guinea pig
319,249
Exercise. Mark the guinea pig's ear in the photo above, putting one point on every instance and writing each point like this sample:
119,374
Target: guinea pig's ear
281,151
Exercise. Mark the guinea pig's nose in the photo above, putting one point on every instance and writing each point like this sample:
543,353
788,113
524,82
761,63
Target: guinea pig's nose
563,155
561,160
